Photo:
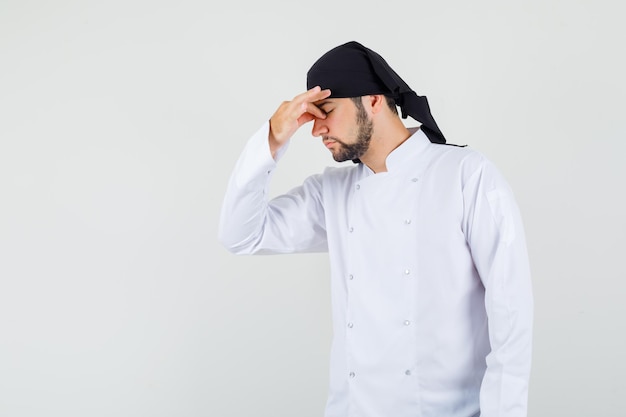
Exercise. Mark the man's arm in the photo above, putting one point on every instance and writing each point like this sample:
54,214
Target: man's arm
495,234
293,222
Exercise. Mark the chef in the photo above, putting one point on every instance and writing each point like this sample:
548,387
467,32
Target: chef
431,294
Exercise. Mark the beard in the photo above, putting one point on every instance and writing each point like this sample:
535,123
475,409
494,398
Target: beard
355,150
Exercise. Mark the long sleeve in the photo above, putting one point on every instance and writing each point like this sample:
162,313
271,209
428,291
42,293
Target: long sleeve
249,223
495,234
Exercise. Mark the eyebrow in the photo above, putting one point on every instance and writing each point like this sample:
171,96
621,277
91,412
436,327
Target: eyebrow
324,102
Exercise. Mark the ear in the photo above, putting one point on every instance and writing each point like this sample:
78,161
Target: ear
376,102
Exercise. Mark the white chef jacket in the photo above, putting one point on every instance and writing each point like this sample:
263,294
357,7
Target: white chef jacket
431,292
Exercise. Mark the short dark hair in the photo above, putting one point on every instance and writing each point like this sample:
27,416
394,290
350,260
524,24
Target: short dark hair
391,103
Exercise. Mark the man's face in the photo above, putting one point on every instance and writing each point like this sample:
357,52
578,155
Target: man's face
347,129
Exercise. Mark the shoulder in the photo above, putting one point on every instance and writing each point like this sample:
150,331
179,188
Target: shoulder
467,165
463,158
455,152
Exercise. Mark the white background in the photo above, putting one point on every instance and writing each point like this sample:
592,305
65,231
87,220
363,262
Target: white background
121,120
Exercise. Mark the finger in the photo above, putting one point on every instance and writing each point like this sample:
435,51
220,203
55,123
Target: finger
308,107
314,94
318,95
315,111
306,94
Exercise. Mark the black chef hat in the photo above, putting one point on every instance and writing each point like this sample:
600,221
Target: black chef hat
352,70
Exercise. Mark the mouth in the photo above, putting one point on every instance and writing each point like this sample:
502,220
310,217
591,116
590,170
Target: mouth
329,143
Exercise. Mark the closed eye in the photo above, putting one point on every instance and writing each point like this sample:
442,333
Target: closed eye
325,106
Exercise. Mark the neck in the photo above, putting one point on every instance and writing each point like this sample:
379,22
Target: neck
386,137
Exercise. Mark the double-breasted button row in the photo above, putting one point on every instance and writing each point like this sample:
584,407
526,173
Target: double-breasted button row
353,374
406,222
406,323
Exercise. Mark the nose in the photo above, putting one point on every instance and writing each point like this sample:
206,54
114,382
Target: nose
319,127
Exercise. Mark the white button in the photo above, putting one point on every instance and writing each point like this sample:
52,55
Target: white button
350,325
407,372
358,187
351,277
351,229
269,172
406,322
407,221
414,179
407,271
352,374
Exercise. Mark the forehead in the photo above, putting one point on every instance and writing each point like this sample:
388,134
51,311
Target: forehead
330,101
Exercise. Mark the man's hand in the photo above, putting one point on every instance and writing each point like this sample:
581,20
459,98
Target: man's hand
292,114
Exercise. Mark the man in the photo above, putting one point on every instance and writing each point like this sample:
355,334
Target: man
431,293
